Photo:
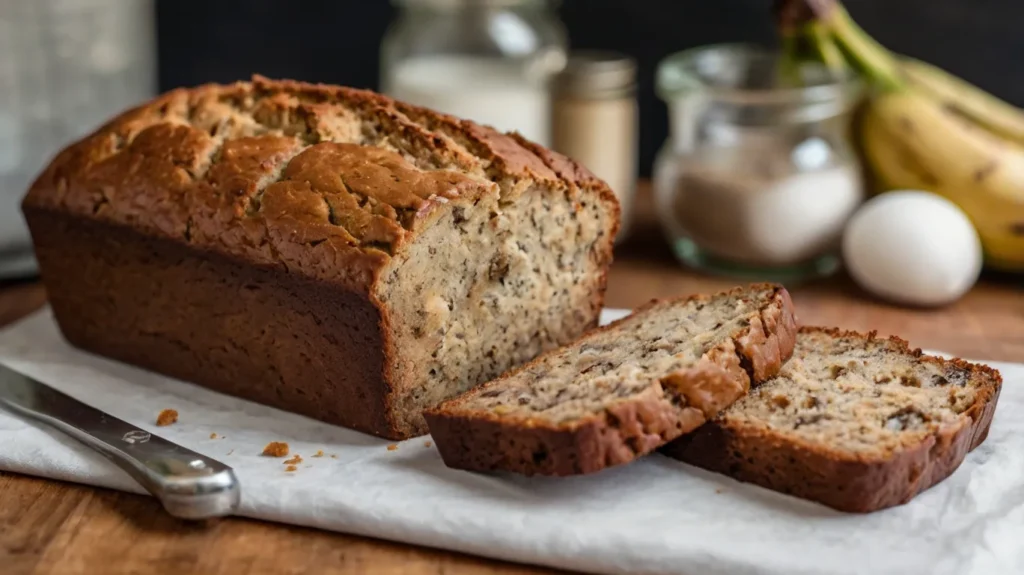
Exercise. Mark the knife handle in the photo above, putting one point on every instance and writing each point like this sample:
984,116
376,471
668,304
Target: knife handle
189,485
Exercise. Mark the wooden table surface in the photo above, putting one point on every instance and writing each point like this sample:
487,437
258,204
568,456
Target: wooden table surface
52,527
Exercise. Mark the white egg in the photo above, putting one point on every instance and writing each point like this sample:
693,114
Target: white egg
912,247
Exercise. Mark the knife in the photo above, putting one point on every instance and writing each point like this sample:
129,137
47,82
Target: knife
189,485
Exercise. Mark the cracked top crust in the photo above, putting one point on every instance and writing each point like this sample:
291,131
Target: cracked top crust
327,181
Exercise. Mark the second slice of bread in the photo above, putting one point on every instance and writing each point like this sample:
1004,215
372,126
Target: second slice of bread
623,390
855,422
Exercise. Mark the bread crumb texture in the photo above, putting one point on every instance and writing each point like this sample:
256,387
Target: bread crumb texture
319,453
291,468
276,449
297,459
167,417
853,421
393,447
862,396
213,436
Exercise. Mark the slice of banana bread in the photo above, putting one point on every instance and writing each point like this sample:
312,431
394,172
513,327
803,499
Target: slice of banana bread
855,422
620,391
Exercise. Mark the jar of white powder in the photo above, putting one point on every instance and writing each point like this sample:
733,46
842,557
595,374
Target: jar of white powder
490,61
758,177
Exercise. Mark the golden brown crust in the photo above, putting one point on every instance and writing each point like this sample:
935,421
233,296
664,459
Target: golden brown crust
325,181
679,403
841,480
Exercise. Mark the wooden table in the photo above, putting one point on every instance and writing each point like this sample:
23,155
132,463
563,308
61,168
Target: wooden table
51,527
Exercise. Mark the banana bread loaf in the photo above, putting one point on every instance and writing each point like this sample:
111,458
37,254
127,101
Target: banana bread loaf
321,249
623,390
855,422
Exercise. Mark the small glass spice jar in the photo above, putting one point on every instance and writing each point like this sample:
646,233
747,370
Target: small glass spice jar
759,175
594,121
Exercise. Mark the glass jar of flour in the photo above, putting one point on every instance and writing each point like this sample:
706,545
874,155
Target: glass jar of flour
490,61
758,177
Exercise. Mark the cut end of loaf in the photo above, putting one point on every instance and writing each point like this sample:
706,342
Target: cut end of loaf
853,421
620,391
489,287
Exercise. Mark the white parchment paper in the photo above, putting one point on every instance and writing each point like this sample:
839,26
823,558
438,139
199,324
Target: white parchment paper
654,516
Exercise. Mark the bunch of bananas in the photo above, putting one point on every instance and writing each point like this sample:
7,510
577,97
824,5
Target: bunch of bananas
923,128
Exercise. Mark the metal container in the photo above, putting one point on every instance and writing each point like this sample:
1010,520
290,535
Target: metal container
595,121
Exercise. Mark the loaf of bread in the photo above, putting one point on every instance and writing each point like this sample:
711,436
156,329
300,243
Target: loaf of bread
620,391
325,250
853,421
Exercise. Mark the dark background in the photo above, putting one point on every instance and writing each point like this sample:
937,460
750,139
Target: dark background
337,41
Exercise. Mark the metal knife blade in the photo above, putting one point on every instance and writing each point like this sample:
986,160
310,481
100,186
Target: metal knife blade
189,485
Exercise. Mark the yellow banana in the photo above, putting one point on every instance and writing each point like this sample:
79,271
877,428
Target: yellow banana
923,128
910,140
998,116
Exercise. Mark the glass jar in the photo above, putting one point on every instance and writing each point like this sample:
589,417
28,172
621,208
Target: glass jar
490,61
759,175
65,67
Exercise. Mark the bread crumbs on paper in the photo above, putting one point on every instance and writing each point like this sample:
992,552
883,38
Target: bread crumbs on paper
291,468
213,436
294,460
333,456
319,453
167,417
393,447
427,444
230,452
719,490
276,449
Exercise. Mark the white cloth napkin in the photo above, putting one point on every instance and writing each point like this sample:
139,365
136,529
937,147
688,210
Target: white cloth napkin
654,516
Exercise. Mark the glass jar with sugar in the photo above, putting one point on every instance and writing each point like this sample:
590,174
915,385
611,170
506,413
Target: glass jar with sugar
490,61
759,175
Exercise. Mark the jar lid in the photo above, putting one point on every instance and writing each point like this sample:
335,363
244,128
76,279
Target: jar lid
597,74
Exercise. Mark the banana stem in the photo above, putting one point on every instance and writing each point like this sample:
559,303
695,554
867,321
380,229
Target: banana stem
825,47
876,62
